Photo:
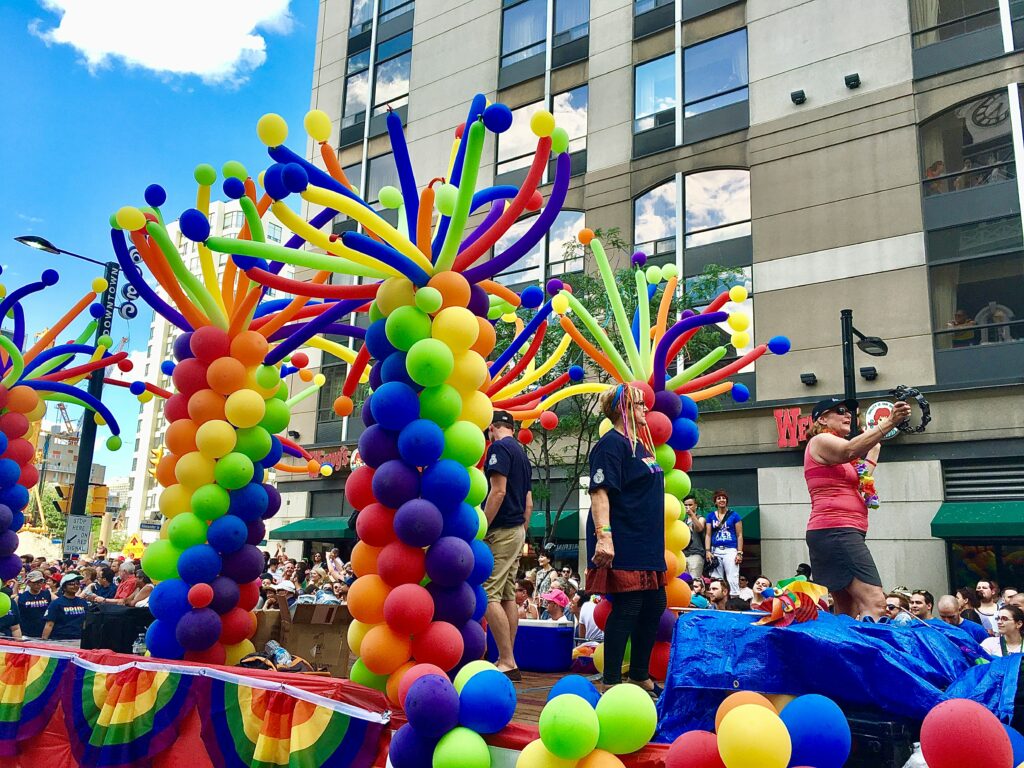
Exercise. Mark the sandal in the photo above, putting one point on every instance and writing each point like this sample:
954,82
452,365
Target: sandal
514,675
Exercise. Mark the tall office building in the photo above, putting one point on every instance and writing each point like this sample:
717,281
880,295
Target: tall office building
830,155
226,219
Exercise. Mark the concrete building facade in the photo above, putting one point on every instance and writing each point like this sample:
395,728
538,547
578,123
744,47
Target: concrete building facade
828,155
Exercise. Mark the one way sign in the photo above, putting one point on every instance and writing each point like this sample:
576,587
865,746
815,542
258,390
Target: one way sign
79,531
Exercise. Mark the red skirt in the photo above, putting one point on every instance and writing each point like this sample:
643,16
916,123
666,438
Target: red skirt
609,581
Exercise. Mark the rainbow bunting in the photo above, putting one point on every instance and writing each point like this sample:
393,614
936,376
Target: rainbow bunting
28,696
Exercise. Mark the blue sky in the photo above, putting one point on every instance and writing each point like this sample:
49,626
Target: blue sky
101,100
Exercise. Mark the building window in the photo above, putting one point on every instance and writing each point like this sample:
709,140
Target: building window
643,6
357,84
570,111
234,220
362,16
717,206
328,423
382,173
715,73
392,9
978,301
933,21
654,221
517,145
563,254
572,21
391,79
968,146
549,257
655,94
523,31
274,232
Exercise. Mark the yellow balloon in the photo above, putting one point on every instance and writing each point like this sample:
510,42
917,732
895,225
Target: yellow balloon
457,327
174,500
245,408
164,529
469,373
265,392
238,651
752,736
739,321
738,294
560,304
215,439
536,755
603,427
356,632
676,562
272,129
477,409
98,285
740,340
542,123
677,536
37,413
131,218
193,470
393,293
318,125
599,659
673,507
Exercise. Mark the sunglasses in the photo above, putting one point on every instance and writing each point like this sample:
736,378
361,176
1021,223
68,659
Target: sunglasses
890,607
842,410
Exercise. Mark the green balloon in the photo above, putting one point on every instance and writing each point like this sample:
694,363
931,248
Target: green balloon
267,376
205,174
677,483
665,456
234,169
160,560
210,501
375,313
441,404
569,726
407,325
559,141
445,198
390,197
282,392
233,471
494,312
477,486
627,718
5,604
113,443
428,299
276,417
481,531
430,362
186,530
464,442
461,748
360,674
254,442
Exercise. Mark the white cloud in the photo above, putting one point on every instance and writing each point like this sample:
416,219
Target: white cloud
216,41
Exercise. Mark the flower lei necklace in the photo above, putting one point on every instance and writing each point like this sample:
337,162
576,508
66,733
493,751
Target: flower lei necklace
866,485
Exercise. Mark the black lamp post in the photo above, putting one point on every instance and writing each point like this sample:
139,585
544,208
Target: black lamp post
871,345
87,439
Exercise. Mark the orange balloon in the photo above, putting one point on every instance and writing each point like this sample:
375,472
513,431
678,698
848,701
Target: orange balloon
343,406
249,348
366,599
22,399
383,650
206,405
454,288
673,565
226,375
181,436
306,375
585,236
678,593
165,470
486,339
780,700
364,559
395,680
738,699
600,759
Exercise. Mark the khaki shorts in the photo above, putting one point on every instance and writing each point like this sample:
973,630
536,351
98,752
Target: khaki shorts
506,544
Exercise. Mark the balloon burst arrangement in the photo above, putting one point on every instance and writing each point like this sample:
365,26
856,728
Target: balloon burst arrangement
426,285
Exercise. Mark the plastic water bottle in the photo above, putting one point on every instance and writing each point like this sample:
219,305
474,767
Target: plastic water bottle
279,655
139,646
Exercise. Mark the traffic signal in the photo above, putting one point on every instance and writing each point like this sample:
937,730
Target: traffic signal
98,500
155,454
63,500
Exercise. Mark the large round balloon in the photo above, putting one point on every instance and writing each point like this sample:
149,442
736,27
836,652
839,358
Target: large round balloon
819,731
569,726
961,732
752,736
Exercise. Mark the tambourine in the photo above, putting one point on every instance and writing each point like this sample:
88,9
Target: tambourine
902,394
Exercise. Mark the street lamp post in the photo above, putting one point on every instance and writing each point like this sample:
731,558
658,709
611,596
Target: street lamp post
871,345
87,438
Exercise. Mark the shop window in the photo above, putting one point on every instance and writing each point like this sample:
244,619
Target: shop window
517,145
971,562
978,302
933,21
715,73
655,94
968,146
523,31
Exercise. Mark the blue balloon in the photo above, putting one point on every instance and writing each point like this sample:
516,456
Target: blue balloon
273,182
137,387
394,405
462,522
16,497
819,731
740,393
10,471
233,187
392,368
161,641
432,706
248,502
487,702
199,564
3,443
155,195
578,685
195,226
445,483
532,296
377,343
378,445
275,453
684,434
497,118
418,523
576,373
6,517
421,443
481,602
167,367
408,749
689,408
779,345
1017,743
168,601
227,534
295,178
483,562
17,520
375,378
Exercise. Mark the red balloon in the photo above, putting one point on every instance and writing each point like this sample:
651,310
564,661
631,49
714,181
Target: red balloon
237,625
3,396
535,202
648,391
659,660
200,595
399,563
694,749
13,425
408,609
375,525
176,407
249,595
189,376
20,450
602,612
684,460
660,426
549,420
29,476
414,674
439,644
525,436
300,360
215,654
961,732
359,488
208,343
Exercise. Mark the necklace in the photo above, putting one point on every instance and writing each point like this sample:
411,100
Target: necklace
865,480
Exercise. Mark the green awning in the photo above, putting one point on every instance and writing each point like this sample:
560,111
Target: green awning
566,529
751,517
978,519
319,528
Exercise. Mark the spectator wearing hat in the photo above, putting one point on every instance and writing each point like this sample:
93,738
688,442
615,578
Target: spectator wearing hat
556,604
723,539
32,604
838,525
66,614
287,596
507,508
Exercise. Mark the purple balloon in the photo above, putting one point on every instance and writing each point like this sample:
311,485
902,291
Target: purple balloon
366,415
395,483
198,629
667,402
273,501
666,624
456,605
553,286
408,749
244,565
474,641
375,376
378,446
9,543
432,706
10,567
449,561
257,532
478,301
182,347
6,517
225,594
418,523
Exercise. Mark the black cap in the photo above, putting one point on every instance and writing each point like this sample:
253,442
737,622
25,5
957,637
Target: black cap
831,404
503,419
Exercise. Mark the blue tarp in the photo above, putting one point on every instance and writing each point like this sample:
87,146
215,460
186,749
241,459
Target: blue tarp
994,686
899,671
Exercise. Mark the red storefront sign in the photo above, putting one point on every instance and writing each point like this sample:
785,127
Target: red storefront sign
334,457
792,426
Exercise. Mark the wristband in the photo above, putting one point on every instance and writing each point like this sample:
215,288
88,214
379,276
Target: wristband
605,529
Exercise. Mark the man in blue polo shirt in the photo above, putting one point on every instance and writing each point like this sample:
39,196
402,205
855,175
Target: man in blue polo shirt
66,614
32,604
949,612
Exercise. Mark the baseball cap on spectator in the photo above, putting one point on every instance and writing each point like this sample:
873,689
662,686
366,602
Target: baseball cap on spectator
503,419
35,576
830,404
286,586
69,578
556,596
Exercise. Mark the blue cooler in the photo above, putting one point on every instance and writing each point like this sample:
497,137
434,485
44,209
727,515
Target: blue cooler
541,646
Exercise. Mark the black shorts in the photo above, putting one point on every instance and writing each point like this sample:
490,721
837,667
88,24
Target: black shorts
840,555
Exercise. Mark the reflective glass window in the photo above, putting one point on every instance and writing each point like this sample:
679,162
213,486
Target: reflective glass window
717,206
523,32
570,111
356,97
715,73
978,301
655,94
362,15
391,85
382,173
517,145
933,21
572,20
654,220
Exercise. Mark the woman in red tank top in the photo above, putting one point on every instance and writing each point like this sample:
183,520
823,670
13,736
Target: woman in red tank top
836,531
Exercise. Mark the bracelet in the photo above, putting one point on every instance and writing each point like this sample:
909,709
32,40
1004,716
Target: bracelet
605,529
